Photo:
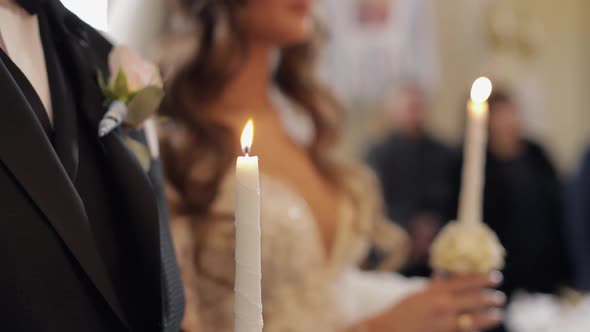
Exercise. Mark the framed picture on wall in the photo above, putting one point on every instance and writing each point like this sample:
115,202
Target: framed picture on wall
374,13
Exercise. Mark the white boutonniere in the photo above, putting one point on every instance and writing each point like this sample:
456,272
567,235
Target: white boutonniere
133,92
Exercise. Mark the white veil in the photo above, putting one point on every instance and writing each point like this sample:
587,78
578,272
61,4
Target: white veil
136,23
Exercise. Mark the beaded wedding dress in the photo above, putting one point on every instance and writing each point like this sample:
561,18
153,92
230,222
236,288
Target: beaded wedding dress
303,289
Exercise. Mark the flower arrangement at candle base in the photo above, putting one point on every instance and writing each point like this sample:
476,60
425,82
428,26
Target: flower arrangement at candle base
466,248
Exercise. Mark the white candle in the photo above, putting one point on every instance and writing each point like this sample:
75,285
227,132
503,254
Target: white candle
248,288
474,157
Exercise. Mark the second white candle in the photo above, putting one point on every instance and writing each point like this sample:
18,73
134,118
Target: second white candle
472,184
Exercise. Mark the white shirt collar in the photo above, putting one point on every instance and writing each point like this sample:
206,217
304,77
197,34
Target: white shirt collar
20,39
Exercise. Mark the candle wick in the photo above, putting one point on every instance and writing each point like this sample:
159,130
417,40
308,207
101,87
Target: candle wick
247,151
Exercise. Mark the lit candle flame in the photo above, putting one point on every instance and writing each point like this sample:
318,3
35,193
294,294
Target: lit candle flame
481,90
247,137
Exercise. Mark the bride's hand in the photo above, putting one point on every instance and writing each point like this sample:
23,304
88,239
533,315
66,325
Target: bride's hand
459,304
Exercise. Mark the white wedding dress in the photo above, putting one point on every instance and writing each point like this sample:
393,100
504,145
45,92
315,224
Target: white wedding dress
548,313
303,289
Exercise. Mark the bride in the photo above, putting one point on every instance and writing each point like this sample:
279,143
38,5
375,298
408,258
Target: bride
320,212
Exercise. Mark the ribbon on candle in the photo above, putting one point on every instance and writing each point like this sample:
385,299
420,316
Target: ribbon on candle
248,297
248,282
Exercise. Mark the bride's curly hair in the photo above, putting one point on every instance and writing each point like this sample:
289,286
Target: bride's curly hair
206,145
198,151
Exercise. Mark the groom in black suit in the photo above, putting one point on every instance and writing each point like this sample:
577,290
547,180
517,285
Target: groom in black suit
84,237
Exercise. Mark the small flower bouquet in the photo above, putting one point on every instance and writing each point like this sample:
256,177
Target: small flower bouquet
133,92
466,248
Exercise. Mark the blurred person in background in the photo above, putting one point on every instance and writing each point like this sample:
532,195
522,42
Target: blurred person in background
318,212
413,167
523,203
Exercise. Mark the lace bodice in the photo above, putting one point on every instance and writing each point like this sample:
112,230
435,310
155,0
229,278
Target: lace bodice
300,283
297,275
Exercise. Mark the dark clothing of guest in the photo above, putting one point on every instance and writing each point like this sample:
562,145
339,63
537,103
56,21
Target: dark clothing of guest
522,204
579,234
413,173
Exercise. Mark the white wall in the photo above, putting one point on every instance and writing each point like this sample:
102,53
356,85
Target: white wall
555,82
94,12
136,23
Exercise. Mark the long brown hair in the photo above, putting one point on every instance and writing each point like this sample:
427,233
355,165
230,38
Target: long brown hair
202,141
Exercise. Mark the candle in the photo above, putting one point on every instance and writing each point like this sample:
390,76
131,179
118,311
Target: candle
471,197
469,246
248,288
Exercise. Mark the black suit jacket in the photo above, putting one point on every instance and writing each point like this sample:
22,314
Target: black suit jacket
53,277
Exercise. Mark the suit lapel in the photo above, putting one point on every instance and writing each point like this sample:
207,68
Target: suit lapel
136,189
65,138
29,92
29,156
134,186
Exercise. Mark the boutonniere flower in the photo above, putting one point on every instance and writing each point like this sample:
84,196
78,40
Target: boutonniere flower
133,92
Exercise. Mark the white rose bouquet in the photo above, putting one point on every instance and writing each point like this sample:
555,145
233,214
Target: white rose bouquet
466,248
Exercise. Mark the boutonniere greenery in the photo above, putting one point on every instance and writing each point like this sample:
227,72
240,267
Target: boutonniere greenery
133,94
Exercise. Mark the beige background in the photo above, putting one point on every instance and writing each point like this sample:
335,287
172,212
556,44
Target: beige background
554,82
556,79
